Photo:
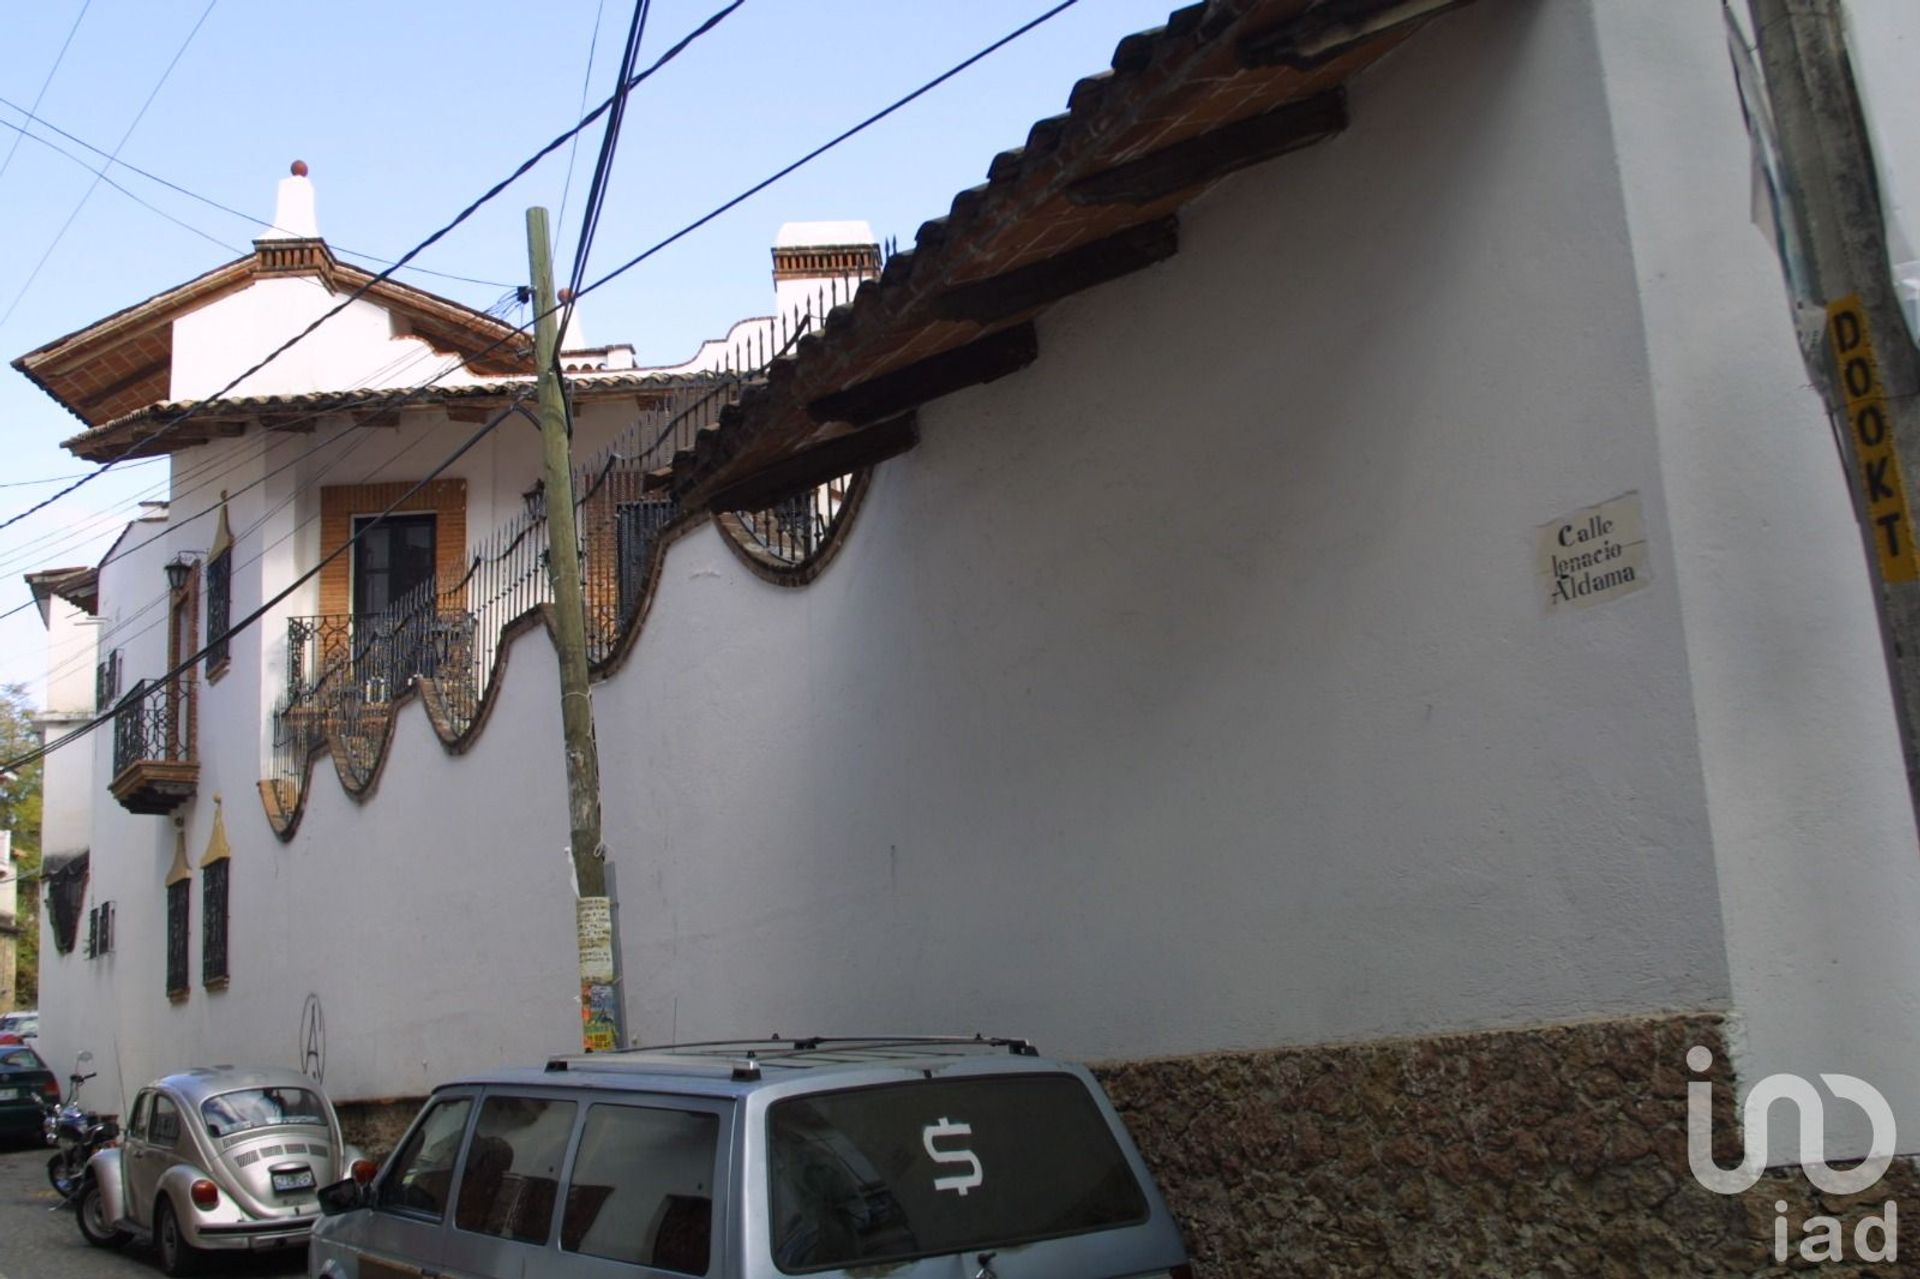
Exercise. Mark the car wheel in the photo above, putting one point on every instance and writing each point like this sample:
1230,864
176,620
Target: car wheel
177,1256
92,1213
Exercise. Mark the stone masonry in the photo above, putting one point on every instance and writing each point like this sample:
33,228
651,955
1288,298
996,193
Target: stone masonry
1559,1150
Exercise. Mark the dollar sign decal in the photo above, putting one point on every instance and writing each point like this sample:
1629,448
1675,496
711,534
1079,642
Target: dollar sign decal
960,1182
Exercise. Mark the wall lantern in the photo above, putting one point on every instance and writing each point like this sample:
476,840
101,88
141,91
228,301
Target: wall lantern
536,499
179,569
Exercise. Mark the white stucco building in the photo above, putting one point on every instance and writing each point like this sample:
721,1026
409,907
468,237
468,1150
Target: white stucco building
1159,627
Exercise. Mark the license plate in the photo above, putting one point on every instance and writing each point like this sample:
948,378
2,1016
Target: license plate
302,1180
9,1094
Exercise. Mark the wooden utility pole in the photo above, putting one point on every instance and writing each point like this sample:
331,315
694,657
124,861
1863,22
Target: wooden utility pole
602,1004
1831,192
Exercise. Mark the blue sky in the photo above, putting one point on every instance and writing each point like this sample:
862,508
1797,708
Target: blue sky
406,111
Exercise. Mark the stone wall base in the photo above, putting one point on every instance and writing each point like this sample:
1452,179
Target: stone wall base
377,1126
1557,1150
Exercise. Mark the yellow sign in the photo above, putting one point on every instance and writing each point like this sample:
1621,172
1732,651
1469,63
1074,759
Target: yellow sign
1882,490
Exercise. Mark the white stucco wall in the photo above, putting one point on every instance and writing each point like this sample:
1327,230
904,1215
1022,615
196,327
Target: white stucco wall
1813,831
1193,688
358,347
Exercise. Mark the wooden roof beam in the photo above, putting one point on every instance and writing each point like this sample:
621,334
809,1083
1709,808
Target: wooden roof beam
890,394
819,464
1216,153
1039,284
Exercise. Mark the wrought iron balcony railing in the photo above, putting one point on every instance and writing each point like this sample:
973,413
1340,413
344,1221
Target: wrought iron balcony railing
154,722
154,768
374,657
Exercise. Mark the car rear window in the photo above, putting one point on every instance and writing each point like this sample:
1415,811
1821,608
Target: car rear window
248,1108
20,1059
877,1175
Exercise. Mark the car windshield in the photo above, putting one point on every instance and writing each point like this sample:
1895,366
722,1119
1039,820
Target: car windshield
880,1175
248,1108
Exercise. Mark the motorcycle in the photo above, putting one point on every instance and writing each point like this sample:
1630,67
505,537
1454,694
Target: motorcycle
76,1133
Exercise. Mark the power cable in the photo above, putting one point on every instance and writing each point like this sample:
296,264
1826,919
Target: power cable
602,173
209,201
58,58
713,21
573,148
821,150
137,117
56,479
268,606
204,475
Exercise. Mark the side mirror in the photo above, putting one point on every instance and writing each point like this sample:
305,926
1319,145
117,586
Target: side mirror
343,1196
84,1057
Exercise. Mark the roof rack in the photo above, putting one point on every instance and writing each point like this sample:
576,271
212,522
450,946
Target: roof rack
741,1058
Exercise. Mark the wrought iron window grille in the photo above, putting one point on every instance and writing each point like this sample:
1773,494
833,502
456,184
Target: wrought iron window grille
66,888
106,681
177,904
100,931
219,579
213,938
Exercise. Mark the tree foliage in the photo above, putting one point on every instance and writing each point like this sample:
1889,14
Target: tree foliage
20,813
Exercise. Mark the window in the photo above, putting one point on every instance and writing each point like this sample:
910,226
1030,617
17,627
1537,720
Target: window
100,930
106,681
142,1107
245,1109
219,609
394,558
164,1128
512,1173
641,1189
213,931
422,1173
177,938
854,1184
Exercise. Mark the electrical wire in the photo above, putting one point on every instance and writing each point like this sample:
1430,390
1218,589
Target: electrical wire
711,22
573,148
187,663
93,186
821,150
209,201
201,477
602,174
58,58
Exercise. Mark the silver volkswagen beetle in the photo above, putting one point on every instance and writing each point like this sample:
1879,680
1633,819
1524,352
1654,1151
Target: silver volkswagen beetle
219,1157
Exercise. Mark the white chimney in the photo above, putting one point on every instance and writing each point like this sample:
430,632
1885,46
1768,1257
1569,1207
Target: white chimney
293,216
818,265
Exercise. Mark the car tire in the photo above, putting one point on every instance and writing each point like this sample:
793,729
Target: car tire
92,1215
177,1256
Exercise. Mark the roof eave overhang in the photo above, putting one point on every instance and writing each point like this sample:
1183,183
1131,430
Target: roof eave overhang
1092,196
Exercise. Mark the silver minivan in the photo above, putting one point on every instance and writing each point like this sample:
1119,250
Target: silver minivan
914,1158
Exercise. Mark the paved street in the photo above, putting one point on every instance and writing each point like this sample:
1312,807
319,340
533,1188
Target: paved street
38,1244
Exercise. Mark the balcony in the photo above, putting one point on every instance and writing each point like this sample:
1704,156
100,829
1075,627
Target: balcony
154,768
344,671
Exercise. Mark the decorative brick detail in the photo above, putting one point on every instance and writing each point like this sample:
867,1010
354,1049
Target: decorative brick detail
826,261
1547,1151
340,503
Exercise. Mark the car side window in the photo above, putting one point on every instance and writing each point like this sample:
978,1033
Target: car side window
163,1128
422,1173
512,1175
142,1105
641,1188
